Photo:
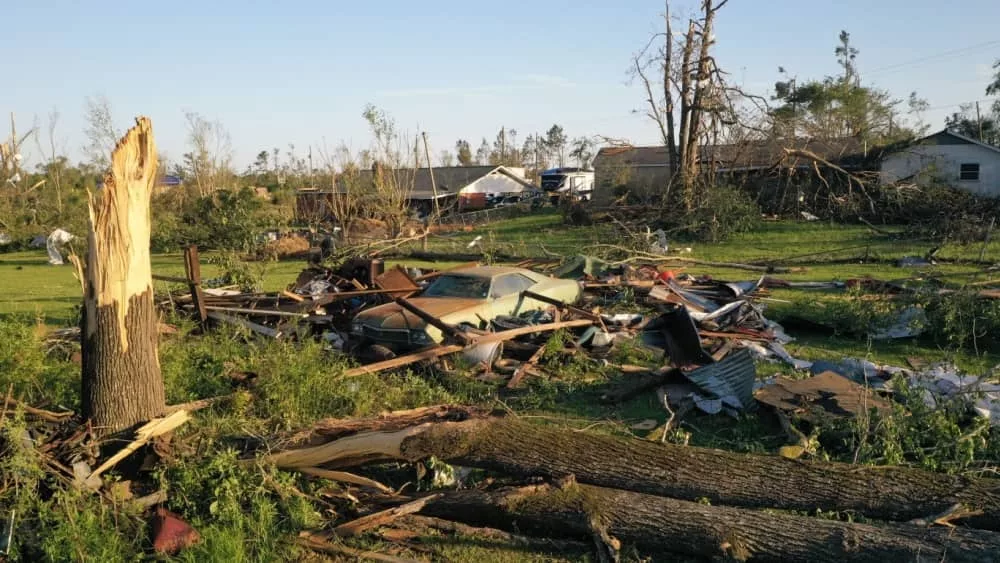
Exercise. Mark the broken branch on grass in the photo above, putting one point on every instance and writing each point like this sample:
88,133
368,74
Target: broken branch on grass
372,521
148,431
316,543
345,477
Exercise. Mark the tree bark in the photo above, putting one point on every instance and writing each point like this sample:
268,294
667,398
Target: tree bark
728,478
658,524
121,380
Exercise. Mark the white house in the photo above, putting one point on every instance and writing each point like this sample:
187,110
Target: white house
947,157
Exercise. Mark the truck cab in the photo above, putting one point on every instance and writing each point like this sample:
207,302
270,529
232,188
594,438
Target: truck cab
575,182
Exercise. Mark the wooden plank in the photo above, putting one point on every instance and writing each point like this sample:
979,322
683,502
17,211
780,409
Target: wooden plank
171,279
259,312
292,296
192,267
433,275
429,354
432,320
345,477
258,328
566,307
371,521
148,431
515,380
525,330
398,281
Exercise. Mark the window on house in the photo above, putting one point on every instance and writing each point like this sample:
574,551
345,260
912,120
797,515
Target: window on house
969,171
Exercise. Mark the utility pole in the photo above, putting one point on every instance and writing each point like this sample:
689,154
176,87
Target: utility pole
430,170
979,122
311,167
503,145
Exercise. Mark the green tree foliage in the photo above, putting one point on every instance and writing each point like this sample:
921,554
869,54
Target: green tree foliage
582,150
555,143
463,153
840,106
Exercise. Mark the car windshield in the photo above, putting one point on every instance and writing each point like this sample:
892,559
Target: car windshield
459,286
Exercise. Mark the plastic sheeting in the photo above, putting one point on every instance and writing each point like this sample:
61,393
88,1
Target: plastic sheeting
53,245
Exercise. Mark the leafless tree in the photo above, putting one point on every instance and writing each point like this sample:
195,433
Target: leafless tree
688,75
392,174
101,133
209,161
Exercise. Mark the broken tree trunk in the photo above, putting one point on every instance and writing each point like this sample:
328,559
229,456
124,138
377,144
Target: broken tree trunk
659,524
722,477
121,379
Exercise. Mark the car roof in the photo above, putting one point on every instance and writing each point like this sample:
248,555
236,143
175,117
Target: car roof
489,271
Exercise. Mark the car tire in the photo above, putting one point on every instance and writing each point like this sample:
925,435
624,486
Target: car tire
376,353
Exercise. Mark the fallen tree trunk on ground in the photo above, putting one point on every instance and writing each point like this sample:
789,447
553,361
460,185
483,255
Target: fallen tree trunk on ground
755,481
659,524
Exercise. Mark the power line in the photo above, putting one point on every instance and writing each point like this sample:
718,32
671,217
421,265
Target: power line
934,57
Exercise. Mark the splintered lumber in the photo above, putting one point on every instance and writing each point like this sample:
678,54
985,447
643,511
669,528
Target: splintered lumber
658,524
12,405
318,543
258,312
121,381
371,521
430,319
729,478
444,350
249,325
144,434
583,313
345,477
429,354
333,428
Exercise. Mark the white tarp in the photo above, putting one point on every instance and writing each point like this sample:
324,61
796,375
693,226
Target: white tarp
54,243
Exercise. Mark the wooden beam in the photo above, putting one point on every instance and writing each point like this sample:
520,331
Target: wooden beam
565,306
259,312
429,354
192,267
171,279
258,328
430,319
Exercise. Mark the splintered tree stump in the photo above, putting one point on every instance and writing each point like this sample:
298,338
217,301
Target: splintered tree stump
122,385
728,478
658,524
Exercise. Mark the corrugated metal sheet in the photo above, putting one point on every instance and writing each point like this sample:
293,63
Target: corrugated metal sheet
730,381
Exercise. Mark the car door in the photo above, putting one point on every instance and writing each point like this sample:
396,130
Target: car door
506,293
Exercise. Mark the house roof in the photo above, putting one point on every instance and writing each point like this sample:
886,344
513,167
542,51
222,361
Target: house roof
449,179
960,137
752,154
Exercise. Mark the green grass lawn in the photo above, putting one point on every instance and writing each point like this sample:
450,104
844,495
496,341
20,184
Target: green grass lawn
33,288
298,383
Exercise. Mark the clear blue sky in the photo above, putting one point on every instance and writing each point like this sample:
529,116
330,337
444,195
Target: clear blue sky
302,71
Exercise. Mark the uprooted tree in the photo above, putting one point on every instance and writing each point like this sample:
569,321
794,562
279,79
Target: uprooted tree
122,385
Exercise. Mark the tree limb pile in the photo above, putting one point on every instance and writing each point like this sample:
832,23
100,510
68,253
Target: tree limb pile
722,477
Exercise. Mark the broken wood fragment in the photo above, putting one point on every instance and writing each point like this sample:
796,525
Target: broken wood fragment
148,431
317,543
345,477
381,518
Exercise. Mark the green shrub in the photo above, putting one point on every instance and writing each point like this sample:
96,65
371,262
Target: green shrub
28,373
722,212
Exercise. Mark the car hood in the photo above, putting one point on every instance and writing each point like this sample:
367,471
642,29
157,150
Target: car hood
392,316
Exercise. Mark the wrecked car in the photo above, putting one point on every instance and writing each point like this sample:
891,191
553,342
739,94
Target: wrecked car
470,297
